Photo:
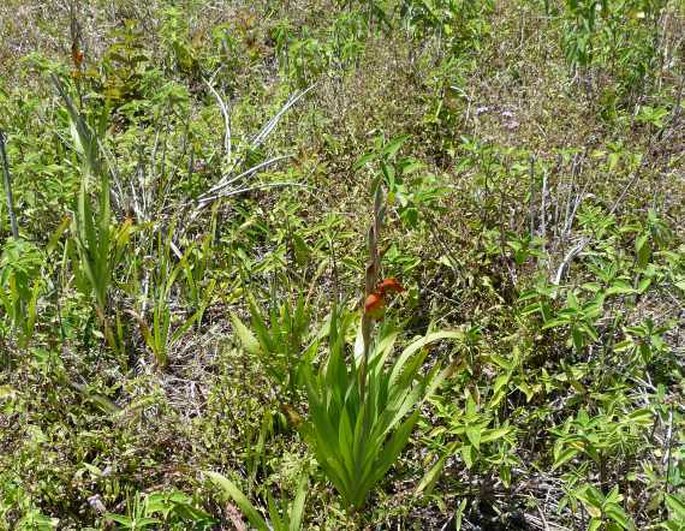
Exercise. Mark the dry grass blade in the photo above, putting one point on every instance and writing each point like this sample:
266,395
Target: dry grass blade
225,112
222,188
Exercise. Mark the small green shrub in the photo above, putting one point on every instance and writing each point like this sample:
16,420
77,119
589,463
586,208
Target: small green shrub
357,427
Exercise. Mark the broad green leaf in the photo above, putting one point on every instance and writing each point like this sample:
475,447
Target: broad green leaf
499,390
235,494
618,515
247,339
643,250
416,346
55,237
494,434
468,454
676,506
429,478
392,147
274,514
564,456
297,509
620,287
643,417
473,434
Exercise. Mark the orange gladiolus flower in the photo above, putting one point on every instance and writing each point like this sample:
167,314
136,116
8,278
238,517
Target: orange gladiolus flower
388,285
374,305
77,55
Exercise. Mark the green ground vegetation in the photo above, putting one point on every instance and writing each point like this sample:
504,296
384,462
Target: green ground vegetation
201,200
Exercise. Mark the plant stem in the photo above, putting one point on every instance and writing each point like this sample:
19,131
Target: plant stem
372,268
8,187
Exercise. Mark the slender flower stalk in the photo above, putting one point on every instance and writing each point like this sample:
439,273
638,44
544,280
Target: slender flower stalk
371,280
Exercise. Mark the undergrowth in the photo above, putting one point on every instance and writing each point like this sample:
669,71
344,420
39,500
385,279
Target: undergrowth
342,264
